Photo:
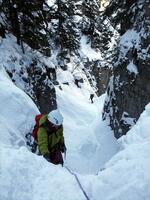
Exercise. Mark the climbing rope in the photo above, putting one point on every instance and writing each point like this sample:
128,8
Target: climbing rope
79,183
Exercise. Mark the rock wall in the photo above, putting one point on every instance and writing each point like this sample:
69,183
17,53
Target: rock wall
43,92
129,87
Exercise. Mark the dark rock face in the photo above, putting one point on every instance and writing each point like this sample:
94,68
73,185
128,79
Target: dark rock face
129,88
102,76
98,75
43,91
37,80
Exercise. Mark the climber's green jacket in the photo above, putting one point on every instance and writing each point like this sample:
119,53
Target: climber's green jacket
50,139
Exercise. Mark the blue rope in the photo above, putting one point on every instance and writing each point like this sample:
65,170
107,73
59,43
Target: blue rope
79,183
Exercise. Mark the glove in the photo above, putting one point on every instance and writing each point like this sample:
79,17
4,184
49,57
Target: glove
56,158
47,157
34,147
63,149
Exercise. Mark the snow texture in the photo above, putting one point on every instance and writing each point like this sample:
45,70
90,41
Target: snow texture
51,2
132,68
126,175
129,40
17,111
88,51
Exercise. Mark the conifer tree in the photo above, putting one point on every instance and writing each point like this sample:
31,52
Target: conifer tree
93,25
65,24
67,37
2,22
26,20
118,13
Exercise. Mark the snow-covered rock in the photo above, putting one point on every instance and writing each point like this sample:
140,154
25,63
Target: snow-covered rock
17,112
131,73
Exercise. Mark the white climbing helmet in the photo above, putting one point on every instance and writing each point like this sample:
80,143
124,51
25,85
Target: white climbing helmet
55,117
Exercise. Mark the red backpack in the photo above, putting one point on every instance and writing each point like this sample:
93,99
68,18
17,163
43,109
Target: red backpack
36,127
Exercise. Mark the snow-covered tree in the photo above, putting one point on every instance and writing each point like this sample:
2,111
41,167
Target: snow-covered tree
119,14
93,25
26,20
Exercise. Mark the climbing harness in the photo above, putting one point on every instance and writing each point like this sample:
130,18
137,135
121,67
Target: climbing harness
79,183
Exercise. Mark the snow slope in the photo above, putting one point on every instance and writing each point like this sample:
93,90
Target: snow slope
16,110
28,176
24,175
107,170
89,141
126,175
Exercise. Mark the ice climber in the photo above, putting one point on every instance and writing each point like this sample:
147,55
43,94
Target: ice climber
91,97
50,137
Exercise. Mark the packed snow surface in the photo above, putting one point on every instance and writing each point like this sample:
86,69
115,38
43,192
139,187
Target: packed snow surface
89,141
28,176
17,111
88,51
51,2
132,68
